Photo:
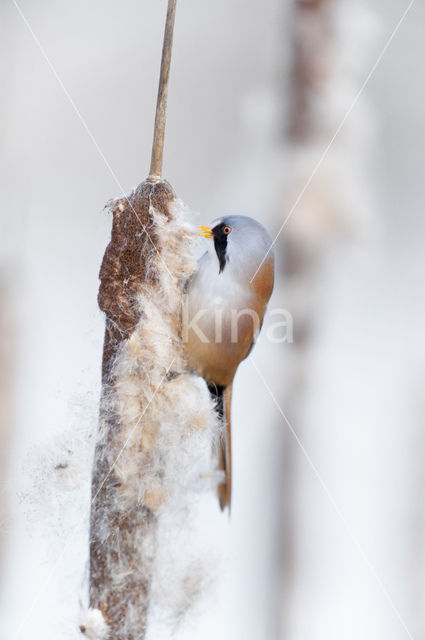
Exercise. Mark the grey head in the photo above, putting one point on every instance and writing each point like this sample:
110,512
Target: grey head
241,243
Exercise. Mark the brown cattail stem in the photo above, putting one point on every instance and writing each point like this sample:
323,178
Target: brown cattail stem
324,217
155,171
156,422
122,529
303,249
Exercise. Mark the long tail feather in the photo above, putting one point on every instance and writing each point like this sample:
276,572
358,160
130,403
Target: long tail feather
223,397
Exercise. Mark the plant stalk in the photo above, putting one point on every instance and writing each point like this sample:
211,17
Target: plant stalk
155,171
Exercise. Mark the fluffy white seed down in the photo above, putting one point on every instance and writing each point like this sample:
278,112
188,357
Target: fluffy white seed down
164,450
166,414
94,625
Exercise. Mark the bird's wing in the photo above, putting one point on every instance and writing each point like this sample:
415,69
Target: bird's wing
225,455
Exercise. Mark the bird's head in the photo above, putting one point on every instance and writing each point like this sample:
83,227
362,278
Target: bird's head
240,241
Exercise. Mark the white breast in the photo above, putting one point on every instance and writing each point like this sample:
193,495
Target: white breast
212,290
215,342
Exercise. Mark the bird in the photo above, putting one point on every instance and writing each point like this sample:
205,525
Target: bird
226,301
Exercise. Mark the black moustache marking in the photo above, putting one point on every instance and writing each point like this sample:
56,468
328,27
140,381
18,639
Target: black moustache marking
220,245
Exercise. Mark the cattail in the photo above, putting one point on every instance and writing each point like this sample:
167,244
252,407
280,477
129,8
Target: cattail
323,207
157,420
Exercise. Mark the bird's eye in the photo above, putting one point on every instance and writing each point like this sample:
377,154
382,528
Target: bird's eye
227,230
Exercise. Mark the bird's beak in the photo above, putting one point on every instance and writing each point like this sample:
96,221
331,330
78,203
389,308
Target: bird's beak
206,232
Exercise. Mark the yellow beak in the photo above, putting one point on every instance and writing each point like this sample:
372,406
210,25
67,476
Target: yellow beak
206,232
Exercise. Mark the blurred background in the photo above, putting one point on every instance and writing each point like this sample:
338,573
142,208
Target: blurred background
308,115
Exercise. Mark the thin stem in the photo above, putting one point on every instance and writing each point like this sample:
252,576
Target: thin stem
161,104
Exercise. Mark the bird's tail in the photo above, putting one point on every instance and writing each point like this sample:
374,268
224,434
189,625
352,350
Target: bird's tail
223,398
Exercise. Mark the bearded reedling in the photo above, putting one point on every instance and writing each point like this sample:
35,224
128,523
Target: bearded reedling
227,286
